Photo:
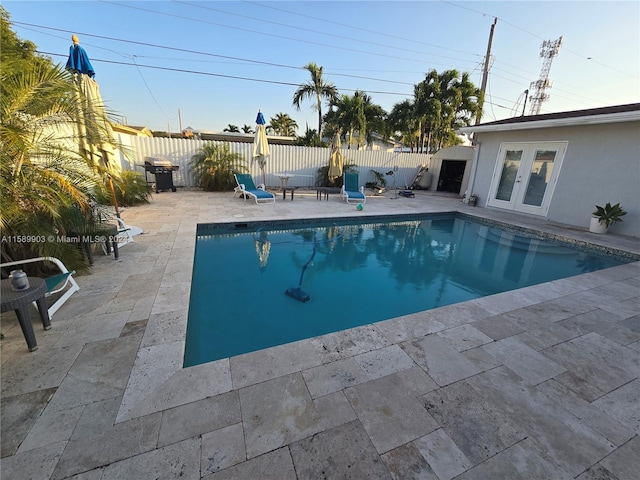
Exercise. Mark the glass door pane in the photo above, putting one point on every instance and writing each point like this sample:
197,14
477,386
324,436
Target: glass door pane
509,174
539,175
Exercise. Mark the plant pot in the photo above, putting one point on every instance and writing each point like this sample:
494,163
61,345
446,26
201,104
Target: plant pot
596,226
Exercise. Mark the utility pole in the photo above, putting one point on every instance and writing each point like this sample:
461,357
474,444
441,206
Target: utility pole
180,119
485,72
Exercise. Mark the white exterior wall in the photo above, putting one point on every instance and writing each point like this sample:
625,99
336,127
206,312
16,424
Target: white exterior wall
601,164
302,161
457,152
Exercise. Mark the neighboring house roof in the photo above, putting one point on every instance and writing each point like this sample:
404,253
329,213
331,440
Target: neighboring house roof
245,138
132,130
616,113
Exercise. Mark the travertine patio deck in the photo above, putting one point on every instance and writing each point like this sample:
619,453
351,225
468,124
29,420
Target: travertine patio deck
536,383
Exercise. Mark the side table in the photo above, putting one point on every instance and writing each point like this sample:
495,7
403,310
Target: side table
106,231
288,189
20,301
325,191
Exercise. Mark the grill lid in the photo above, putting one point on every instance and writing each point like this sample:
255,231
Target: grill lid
157,162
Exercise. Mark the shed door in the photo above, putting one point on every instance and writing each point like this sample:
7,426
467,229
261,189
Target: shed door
525,176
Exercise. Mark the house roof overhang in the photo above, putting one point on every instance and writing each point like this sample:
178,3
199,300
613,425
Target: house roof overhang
615,114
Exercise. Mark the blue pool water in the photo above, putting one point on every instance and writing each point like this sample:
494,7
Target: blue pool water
353,274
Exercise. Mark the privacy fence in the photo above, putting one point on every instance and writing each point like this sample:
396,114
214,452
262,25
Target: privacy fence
303,162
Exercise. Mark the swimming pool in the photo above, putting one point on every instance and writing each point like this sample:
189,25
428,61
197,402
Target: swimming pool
257,285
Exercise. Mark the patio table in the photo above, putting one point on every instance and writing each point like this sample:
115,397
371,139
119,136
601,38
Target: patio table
323,192
103,233
20,301
284,178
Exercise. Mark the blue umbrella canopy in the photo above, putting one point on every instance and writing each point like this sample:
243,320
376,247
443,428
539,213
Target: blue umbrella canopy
78,59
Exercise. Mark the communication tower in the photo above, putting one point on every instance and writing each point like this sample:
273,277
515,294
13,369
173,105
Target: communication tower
548,50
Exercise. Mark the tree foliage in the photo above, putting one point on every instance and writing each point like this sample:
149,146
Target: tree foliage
356,118
44,174
213,167
282,124
444,102
316,89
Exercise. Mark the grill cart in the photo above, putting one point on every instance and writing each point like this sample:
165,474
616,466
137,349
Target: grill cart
162,170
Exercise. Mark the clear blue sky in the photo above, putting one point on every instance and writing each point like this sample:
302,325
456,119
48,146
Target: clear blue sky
237,57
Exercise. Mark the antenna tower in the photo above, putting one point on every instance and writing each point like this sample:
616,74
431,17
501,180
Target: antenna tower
548,50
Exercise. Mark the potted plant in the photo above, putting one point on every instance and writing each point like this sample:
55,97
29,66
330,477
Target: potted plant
603,217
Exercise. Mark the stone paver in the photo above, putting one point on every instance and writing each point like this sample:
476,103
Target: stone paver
540,382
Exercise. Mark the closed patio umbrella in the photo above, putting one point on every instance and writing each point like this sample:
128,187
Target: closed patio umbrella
263,247
261,145
95,136
336,161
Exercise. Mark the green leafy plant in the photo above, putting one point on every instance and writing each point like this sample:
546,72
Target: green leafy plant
380,182
213,167
131,189
609,214
322,176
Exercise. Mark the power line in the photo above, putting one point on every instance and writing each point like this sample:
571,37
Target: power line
196,52
273,82
333,35
584,57
221,75
133,58
258,32
333,22
259,62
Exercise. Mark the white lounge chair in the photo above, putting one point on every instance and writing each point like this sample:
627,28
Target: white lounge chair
57,283
350,190
246,187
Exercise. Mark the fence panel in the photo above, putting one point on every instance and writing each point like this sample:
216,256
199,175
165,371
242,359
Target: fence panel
304,162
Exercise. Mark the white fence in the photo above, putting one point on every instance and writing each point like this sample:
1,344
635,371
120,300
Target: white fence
303,162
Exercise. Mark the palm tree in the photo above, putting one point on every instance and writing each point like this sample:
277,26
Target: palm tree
357,117
443,102
310,138
347,116
231,128
247,129
41,178
316,88
213,166
404,124
282,124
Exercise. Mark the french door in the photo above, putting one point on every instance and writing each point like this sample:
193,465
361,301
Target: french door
525,176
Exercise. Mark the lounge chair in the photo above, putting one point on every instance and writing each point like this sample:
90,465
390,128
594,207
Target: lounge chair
57,283
246,187
350,190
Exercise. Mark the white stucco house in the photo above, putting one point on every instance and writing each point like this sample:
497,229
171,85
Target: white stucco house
560,165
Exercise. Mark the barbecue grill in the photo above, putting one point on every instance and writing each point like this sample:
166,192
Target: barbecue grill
162,169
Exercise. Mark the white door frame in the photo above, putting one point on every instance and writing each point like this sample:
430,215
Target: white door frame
524,175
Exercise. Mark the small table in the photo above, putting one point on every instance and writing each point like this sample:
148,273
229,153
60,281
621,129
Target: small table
284,178
106,232
20,300
325,191
288,189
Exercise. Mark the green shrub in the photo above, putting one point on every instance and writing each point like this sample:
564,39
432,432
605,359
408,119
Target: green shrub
322,176
131,189
213,167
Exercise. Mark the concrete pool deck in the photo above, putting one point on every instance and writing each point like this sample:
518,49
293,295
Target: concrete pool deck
541,382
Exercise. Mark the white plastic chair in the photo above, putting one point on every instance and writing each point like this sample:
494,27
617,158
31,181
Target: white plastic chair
62,281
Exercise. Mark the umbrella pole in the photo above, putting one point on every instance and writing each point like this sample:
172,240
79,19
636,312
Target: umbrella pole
113,196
